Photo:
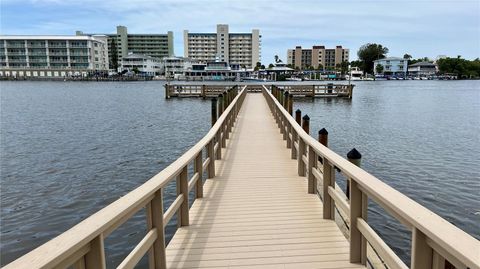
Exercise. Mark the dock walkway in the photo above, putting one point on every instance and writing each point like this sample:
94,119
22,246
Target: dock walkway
256,211
259,207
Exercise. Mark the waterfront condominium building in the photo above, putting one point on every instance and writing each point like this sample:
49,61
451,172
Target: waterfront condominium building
52,56
317,56
235,48
153,45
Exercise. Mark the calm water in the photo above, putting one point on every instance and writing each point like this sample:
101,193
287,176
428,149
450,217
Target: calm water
71,148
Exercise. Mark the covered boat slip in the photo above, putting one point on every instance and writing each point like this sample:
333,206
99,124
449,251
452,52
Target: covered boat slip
256,211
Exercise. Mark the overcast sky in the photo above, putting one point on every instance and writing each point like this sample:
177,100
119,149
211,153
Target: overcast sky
424,28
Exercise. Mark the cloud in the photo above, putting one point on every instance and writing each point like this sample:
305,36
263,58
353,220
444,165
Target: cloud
421,28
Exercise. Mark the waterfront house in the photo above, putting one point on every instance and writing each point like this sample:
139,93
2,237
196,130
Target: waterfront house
422,69
392,66
145,65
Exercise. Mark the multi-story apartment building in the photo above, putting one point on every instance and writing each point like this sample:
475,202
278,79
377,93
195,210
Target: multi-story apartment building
235,48
52,56
146,65
153,45
394,66
317,56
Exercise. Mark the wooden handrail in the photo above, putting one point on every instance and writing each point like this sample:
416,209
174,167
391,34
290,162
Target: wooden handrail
89,233
428,228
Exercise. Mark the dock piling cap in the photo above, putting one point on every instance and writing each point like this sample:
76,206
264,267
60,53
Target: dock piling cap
323,131
306,117
354,154
298,111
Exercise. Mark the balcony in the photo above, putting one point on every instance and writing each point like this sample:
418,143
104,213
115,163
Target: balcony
63,46
15,45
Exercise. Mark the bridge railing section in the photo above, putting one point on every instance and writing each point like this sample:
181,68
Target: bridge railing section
434,240
82,246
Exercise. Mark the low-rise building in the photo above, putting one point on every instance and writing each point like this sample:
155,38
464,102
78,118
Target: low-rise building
52,55
175,67
317,57
392,66
143,64
422,69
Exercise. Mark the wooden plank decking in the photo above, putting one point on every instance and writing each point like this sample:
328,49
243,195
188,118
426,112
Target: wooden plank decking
256,212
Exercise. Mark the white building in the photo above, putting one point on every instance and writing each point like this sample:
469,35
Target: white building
234,48
175,67
146,65
422,69
392,66
52,56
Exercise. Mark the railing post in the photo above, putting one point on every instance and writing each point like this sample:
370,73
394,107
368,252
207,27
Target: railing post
199,169
328,181
422,253
301,153
95,258
225,100
223,143
211,155
214,110
294,139
289,132
358,244
280,96
182,188
157,223
312,164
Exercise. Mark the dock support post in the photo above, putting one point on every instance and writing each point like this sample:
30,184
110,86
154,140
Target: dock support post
225,100
214,110
285,100
220,105
280,97
323,137
204,95
302,147
358,244
167,92
354,157
313,91
294,139
298,117
290,104
422,253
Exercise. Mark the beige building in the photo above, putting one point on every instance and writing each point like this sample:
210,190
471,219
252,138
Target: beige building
234,48
52,56
317,56
153,45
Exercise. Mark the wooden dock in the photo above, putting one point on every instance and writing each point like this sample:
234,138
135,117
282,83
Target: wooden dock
260,206
296,90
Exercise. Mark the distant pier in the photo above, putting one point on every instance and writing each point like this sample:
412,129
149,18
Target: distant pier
296,90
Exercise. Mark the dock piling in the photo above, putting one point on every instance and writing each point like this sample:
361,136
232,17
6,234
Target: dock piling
290,104
220,105
306,123
354,157
214,110
298,117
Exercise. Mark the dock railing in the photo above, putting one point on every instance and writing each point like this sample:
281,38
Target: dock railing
434,240
82,246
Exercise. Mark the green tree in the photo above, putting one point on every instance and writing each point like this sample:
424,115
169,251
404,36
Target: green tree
257,66
135,70
369,53
113,51
462,68
270,65
407,56
379,69
262,66
342,67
